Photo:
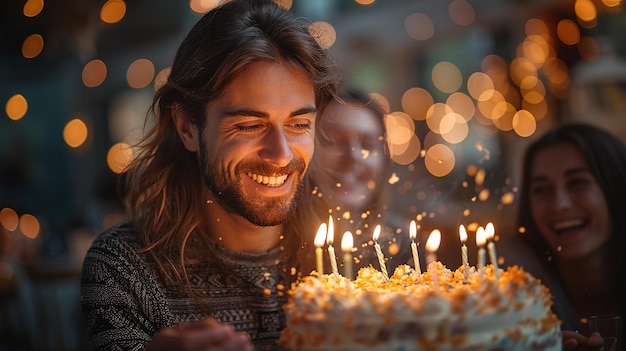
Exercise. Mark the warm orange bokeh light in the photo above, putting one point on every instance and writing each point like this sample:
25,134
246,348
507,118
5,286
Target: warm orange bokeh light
9,219
94,73
16,107
32,8
113,11
140,73
419,26
32,46
75,133
324,33
119,156
29,225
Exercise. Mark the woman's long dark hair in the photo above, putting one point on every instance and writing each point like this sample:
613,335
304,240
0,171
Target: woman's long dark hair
606,155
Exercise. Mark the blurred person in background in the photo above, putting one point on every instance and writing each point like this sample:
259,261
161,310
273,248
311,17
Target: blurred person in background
206,262
574,222
349,180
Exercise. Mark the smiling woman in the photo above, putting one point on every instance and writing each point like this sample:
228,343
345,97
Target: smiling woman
572,215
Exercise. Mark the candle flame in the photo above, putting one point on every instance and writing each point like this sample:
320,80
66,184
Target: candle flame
376,232
490,231
320,236
481,236
462,233
347,242
413,230
434,239
330,237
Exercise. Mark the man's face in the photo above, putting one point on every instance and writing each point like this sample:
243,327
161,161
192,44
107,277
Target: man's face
258,141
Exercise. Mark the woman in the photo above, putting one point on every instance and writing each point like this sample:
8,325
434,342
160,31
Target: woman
571,209
349,177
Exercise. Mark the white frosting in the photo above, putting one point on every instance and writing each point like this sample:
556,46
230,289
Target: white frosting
408,314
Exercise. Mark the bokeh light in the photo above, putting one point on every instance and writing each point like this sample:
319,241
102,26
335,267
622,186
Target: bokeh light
32,46
140,73
94,73
419,26
16,107
119,156
75,133
113,11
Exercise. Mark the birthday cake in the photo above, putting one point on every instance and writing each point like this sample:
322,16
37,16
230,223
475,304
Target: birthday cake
441,309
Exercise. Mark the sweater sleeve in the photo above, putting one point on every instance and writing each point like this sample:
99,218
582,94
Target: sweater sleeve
121,302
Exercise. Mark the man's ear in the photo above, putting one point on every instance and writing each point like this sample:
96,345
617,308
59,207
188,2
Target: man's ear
186,130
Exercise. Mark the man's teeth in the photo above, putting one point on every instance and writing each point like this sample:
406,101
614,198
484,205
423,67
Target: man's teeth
269,181
568,224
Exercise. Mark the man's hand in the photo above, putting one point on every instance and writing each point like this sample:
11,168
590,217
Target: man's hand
574,341
205,335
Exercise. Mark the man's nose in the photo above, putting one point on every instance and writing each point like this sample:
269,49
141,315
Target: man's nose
276,148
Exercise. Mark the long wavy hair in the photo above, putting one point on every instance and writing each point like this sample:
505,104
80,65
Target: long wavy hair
164,182
606,155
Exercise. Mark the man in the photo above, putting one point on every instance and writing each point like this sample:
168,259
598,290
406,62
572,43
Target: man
206,261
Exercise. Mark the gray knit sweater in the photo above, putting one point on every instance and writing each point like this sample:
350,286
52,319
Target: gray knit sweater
125,303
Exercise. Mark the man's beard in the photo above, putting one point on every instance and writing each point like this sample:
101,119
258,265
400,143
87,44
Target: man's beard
264,211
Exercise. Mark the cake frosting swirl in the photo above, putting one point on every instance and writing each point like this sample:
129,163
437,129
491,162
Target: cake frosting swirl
439,310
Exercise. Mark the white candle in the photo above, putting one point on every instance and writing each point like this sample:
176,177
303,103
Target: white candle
330,237
319,242
379,252
490,232
481,239
463,237
347,242
432,245
416,258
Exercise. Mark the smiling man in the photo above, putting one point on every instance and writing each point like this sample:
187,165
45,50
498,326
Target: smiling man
206,259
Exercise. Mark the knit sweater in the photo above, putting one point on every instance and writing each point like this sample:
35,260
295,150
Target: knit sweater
125,302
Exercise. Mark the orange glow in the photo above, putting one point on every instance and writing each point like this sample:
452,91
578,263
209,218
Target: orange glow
439,160
365,2
478,84
94,73
32,46
585,10
16,107
324,33
161,77
447,77
113,11
461,104
568,32
140,73
204,6
524,123
119,156
419,26
416,102
612,3
535,26
75,133
32,8
29,225
9,219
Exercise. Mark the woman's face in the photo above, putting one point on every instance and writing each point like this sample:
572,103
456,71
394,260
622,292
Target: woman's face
350,163
567,203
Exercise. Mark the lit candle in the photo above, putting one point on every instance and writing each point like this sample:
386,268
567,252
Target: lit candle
347,242
331,250
481,239
463,236
416,258
319,242
490,232
432,245
379,252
